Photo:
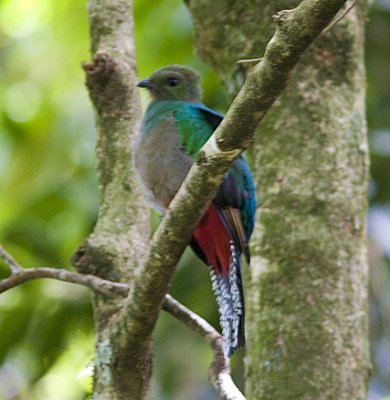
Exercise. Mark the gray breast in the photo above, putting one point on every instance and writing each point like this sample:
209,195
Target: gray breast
161,163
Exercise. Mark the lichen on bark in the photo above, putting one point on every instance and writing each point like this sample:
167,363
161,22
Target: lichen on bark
121,233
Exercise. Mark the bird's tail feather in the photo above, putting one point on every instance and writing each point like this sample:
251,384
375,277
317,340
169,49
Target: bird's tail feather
230,299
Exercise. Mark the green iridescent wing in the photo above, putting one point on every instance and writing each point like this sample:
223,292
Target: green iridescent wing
196,123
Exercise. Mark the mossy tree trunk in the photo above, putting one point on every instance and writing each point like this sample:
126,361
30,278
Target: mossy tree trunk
122,366
306,289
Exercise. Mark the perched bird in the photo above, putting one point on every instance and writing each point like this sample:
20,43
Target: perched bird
175,127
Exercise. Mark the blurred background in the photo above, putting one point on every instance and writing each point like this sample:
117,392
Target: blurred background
48,200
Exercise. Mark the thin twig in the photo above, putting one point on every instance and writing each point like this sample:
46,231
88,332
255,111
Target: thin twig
93,282
337,20
253,61
11,263
249,61
219,370
20,275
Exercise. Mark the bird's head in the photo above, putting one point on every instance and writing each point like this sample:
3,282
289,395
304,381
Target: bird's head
175,82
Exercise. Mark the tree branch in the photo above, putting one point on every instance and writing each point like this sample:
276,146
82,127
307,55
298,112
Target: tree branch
98,285
20,275
11,263
343,15
219,371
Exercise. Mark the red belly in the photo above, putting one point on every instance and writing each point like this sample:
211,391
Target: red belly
214,240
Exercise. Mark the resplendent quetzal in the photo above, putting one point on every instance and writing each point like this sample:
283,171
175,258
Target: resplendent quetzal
175,127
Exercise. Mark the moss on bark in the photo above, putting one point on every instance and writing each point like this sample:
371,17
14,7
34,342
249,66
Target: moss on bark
121,368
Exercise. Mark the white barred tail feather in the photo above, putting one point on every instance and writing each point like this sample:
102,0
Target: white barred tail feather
229,294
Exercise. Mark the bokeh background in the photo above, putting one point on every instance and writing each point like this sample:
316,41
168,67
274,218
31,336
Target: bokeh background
49,200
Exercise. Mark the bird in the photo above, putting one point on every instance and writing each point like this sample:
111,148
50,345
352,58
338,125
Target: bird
175,126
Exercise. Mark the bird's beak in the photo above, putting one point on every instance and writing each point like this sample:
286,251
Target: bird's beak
146,83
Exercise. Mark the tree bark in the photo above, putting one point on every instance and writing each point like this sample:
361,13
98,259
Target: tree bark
114,249
306,289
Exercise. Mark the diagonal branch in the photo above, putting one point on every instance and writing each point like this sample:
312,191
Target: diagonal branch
338,19
8,259
296,30
219,371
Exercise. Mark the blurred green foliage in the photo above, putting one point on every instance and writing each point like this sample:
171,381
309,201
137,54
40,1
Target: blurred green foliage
49,199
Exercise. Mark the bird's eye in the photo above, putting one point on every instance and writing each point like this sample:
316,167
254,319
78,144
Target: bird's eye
172,81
